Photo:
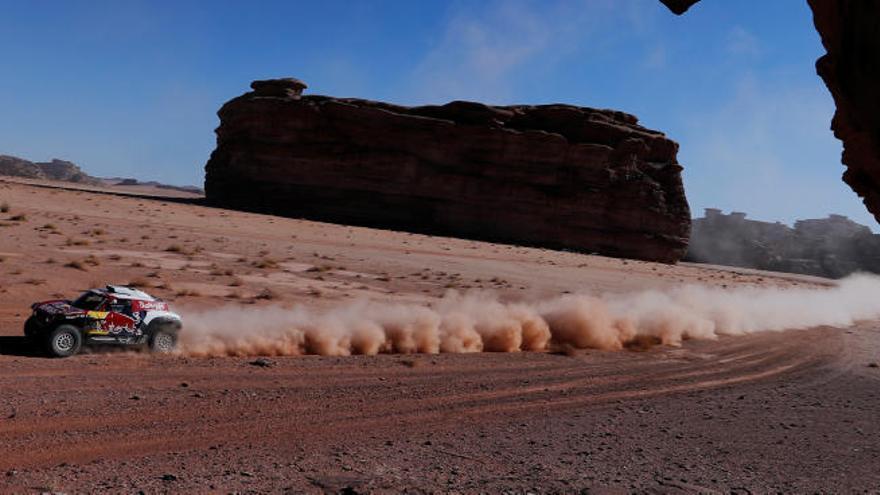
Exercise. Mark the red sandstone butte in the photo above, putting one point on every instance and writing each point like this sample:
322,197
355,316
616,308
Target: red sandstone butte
557,176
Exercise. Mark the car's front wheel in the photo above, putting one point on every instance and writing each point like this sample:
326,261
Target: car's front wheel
163,341
63,341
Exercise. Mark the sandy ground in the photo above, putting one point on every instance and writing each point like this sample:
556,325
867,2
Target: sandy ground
781,411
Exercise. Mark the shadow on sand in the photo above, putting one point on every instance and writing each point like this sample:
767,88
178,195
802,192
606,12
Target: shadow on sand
19,346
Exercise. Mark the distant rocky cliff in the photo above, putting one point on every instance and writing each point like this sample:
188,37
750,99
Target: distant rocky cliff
550,175
55,170
829,247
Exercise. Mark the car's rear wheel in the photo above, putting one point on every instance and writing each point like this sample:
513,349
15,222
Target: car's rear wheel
163,341
63,341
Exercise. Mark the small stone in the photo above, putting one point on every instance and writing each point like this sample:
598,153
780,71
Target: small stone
873,365
262,363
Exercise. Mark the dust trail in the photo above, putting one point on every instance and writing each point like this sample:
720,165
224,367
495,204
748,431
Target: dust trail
478,322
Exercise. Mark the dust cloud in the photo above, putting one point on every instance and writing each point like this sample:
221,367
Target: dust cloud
480,322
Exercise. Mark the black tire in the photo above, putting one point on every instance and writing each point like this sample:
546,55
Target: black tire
163,340
63,341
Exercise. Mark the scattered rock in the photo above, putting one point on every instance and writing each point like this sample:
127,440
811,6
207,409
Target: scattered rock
169,477
873,365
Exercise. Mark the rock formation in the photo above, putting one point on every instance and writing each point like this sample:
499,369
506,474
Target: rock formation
549,175
60,170
829,247
850,31
851,70
679,6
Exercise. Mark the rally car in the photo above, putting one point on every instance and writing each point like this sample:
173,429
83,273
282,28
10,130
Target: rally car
114,315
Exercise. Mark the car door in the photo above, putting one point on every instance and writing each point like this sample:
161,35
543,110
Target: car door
119,321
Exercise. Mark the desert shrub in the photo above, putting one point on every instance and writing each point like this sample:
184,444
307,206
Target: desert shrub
140,283
267,294
319,269
76,264
265,263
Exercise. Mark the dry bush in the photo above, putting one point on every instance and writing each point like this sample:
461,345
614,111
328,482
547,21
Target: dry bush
136,264
236,282
175,248
265,263
114,257
76,264
267,294
21,217
76,242
319,269
35,281
187,292
49,226
92,260
140,283
4,207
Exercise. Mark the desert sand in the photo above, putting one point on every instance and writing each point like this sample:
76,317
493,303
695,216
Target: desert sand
788,411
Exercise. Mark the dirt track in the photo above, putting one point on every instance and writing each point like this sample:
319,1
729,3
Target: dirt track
793,411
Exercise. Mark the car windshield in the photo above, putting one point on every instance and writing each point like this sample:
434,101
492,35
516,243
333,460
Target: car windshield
89,301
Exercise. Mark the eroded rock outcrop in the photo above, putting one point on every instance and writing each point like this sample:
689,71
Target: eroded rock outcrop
550,175
829,247
60,170
851,70
850,31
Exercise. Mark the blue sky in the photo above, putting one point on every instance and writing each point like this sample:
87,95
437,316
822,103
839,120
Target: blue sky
131,88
